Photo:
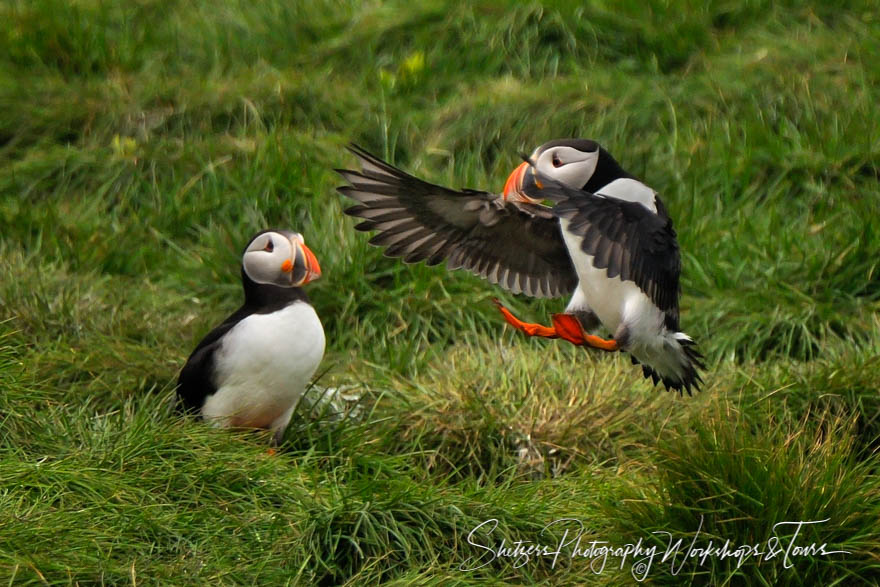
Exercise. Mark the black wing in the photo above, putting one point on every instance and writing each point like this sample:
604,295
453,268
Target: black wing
517,246
627,239
196,380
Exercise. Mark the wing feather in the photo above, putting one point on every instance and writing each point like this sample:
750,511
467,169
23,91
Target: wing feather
515,245
627,239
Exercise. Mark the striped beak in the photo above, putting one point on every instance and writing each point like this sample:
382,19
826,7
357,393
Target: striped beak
303,267
313,269
513,187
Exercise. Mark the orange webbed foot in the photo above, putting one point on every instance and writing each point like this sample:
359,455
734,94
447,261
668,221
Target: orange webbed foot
565,326
527,327
569,328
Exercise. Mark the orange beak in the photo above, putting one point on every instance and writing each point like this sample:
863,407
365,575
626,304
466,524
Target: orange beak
313,269
513,191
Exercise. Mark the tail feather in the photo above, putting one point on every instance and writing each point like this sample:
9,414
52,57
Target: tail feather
678,366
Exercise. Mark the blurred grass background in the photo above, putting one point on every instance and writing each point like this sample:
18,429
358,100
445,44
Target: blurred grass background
142,143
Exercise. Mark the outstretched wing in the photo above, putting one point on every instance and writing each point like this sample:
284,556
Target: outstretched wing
625,238
517,246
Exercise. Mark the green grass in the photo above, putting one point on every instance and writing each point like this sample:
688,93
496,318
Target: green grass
142,143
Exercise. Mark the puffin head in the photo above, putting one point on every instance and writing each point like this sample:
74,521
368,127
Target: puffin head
280,257
571,162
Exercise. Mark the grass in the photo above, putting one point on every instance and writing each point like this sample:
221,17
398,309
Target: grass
141,144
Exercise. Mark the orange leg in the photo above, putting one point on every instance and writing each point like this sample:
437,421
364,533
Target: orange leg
527,327
565,326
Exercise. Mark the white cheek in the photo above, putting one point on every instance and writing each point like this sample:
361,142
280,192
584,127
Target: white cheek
578,173
265,267
262,266
574,175
546,168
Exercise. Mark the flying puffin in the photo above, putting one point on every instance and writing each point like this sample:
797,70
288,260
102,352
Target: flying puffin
251,370
607,241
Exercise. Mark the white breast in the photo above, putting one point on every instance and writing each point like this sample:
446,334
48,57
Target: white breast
631,190
614,300
622,303
263,366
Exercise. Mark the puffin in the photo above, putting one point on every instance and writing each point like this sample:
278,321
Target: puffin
607,241
252,369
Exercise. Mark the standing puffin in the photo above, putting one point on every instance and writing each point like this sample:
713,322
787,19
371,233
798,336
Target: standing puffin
251,370
607,241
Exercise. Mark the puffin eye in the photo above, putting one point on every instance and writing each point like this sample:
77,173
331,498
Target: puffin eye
556,161
270,246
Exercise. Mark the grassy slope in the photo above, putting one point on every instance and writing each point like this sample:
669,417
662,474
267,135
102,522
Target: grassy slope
142,143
